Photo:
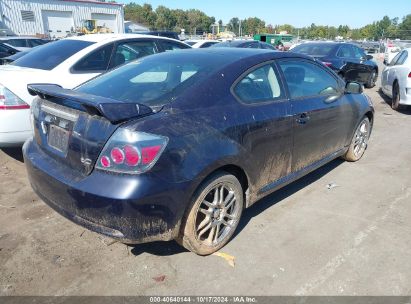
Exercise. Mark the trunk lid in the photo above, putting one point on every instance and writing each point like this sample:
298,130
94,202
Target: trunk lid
73,127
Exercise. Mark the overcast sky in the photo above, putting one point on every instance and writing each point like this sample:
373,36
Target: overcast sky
355,13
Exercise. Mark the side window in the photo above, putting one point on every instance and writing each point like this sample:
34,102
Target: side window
344,52
171,46
394,60
306,79
402,58
18,42
95,62
358,53
131,50
34,42
259,86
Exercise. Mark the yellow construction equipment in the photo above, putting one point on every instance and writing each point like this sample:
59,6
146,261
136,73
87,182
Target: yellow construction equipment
90,27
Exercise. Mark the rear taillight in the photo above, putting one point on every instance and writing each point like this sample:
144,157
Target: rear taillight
9,101
409,75
131,152
326,63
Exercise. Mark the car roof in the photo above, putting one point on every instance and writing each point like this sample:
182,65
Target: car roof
232,55
113,37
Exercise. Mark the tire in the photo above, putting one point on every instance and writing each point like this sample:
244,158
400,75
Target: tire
371,82
359,141
395,102
213,215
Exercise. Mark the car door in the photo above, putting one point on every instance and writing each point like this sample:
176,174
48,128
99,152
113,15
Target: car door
267,126
395,70
353,68
365,64
385,85
322,115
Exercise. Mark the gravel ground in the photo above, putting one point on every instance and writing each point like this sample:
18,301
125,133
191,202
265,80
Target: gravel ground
305,239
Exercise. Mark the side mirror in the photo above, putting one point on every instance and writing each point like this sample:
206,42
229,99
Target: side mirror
353,88
369,57
11,52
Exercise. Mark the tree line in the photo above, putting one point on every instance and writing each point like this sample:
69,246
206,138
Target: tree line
197,22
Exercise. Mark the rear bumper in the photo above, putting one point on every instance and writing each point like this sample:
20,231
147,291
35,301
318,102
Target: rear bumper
14,139
130,208
15,127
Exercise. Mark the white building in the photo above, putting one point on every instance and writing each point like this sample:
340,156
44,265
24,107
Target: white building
57,18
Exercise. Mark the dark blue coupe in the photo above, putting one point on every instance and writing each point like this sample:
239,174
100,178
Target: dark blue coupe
176,145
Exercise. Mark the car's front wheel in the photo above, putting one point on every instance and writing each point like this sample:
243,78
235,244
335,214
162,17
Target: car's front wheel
359,141
213,215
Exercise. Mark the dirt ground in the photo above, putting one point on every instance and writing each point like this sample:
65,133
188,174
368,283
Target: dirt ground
305,239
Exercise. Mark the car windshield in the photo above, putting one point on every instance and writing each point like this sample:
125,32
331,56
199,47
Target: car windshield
154,80
50,55
314,49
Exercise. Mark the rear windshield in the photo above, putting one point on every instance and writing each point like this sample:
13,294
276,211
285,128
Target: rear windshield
50,55
314,49
154,80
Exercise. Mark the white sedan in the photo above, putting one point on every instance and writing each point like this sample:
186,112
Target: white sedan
68,62
396,79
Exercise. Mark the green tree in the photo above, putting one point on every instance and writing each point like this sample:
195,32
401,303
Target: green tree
165,18
253,26
233,25
404,28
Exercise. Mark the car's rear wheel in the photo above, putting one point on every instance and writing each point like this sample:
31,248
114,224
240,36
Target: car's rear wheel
371,81
213,215
359,141
395,102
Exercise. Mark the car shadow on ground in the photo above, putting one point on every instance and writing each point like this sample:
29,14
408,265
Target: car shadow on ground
15,153
281,194
158,248
171,248
403,110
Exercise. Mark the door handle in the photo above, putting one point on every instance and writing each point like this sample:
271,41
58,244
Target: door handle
303,118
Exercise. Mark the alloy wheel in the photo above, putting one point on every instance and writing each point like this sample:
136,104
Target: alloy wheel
361,138
217,214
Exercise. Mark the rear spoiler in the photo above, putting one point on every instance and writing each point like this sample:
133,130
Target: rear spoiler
115,111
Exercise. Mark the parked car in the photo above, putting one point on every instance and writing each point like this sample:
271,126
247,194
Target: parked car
251,44
396,79
200,44
346,59
176,145
6,50
67,62
23,43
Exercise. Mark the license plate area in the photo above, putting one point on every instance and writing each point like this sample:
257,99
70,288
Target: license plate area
58,138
